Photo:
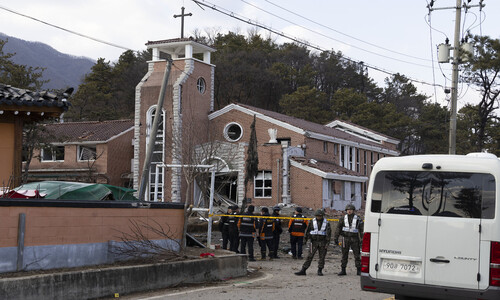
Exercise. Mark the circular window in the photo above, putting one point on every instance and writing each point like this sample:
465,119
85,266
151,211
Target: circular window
233,132
201,85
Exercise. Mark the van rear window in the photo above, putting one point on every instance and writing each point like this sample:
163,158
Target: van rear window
445,194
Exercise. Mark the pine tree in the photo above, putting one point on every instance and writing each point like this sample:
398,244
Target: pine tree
252,162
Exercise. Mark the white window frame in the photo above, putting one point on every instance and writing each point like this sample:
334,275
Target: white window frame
201,85
371,160
357,160
226,132
365,157
352,157
263,176
53,154
88,148
342,157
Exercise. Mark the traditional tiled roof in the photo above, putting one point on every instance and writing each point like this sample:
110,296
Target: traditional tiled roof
91,131
15,97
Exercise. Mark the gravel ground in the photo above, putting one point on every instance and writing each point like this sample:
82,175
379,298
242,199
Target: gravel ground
274,279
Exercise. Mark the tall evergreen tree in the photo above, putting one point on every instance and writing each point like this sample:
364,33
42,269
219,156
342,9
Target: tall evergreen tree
483,72
252,161
306,103
108,91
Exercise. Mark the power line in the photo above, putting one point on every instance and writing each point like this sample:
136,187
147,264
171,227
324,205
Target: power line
344,34
432,59
328,37
307,44
64,29
235,16
76,33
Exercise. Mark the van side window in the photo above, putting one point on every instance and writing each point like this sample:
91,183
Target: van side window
443,194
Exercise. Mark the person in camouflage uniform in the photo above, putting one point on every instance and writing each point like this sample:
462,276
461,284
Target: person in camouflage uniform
320,233
350,228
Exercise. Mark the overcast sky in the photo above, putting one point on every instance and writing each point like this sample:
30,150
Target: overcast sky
390,35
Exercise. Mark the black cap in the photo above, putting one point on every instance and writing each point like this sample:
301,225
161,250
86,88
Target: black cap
276,208
265,209
251,208
298,209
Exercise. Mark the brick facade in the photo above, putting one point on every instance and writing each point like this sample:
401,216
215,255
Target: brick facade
61,234
112,165
305,189
341,153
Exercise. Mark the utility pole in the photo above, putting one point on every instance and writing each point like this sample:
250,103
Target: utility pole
458,57
452,148
154,130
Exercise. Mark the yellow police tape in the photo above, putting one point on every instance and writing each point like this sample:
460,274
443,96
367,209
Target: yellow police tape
265,217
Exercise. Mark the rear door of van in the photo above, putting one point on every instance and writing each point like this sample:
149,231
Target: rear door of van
402,229
454,228
429,229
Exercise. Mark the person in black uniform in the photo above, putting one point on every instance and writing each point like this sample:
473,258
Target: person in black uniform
350,228
277,231
266,229
224,227
297,228
233,230
247,228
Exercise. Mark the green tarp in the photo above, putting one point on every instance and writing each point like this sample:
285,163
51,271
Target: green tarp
66,190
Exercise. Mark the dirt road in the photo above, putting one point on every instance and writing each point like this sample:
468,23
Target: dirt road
275,280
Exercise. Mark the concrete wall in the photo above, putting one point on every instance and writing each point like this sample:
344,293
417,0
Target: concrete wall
61,234
91,284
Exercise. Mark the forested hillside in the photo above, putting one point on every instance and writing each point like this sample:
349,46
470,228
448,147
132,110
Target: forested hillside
62,70
318,87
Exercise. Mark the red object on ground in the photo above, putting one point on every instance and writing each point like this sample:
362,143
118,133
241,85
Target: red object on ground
207,255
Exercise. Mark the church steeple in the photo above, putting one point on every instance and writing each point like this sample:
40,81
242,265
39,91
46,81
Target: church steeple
180,48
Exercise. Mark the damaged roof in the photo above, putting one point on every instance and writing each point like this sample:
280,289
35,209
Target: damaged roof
90,131
326,169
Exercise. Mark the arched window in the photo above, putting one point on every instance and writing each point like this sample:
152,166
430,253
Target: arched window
155,191
220,164
201,85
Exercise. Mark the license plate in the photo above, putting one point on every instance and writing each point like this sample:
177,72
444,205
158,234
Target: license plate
400,266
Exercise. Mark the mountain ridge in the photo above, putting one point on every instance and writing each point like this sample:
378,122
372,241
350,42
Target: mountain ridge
63,70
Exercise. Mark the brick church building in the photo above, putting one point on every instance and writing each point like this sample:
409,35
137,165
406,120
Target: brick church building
300,162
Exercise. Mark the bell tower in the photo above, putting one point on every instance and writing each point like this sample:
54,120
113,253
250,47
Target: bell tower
189,98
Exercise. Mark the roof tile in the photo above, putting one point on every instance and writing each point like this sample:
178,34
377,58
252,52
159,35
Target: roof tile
90,131
10,95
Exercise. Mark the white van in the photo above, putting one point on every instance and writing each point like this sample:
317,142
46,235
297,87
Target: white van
432,227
